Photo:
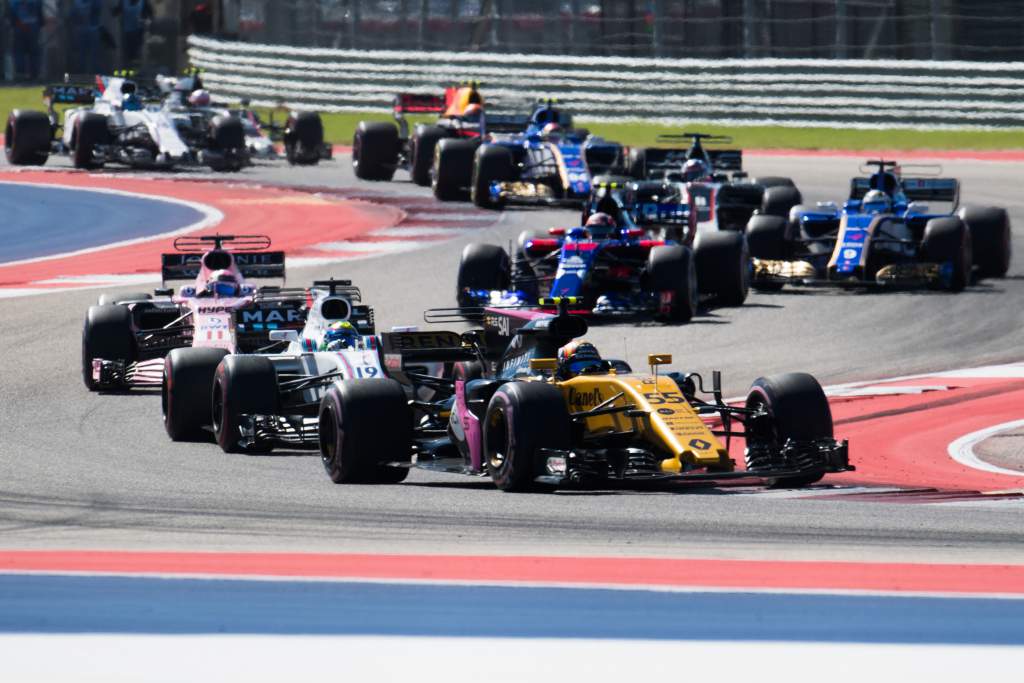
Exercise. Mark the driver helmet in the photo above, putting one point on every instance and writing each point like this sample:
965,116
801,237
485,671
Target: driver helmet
473,112
340,335
600,224
551,130
876,201
199,98
131,102
694,169
576,357
223,283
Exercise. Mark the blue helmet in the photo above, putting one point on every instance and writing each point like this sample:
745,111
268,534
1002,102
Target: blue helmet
223,283
340,335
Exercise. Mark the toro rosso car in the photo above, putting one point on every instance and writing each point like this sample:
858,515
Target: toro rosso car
611,271
675,191
116,126
886,234
533,409
380,148
126,337
269,399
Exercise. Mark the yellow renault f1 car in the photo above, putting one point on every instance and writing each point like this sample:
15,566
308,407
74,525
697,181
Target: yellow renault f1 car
530,419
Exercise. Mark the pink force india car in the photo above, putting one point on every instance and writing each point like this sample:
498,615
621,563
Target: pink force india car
127,336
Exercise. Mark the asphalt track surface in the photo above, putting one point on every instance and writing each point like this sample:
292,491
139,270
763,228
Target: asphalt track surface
92,471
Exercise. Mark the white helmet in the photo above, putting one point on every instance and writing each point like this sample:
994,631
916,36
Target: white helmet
876,201
199,98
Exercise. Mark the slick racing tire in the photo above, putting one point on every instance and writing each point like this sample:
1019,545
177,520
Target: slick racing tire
798,409
947,240
424,140
493,163
365,423
779,200
90,130
452,169
304,139
106,299
773,181
723,266
990,239
766,239
521,418
27,138
636,164
483,267
375,149
186,391
242,385
672,276
107,334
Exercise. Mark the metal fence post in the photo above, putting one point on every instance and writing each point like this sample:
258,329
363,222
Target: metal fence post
749,29
656,27
842,30
421,26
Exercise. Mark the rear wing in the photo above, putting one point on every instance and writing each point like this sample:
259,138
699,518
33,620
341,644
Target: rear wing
506,123
726,159
417,103
68,93
252,265
916,189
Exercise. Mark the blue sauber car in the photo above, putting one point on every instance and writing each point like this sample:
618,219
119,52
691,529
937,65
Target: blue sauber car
886,234
611,271
547,162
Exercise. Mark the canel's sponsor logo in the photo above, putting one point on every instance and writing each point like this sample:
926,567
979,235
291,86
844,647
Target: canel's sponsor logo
583,400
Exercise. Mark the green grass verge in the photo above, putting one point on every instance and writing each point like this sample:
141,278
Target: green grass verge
338,128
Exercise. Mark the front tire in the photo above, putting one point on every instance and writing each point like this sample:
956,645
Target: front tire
521,418
424,140
365,423
672,275
482,267
779,200
90,130
799,410
304,138
990,239
493,163
242,385
453,168
375,149
947,240
723,266
107,334
185,395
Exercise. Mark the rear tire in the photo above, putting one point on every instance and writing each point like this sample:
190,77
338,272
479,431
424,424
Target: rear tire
774,181
521,418
947,240
672,275
453,169
493,163
363,424
107,334
90,130
779,200
799,409
375,149
990,239
723,266
421,147
186,391
483,267
304,138
766,240
242,385
27,138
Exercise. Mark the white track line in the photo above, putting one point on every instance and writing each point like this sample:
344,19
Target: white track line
962,450
418,231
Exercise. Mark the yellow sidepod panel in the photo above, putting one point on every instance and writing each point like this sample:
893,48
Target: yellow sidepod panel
673,426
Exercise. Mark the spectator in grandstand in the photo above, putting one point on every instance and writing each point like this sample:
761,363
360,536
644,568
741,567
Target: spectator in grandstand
26,17
134,14
84,18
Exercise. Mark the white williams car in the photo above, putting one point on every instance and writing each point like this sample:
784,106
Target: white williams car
115,125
